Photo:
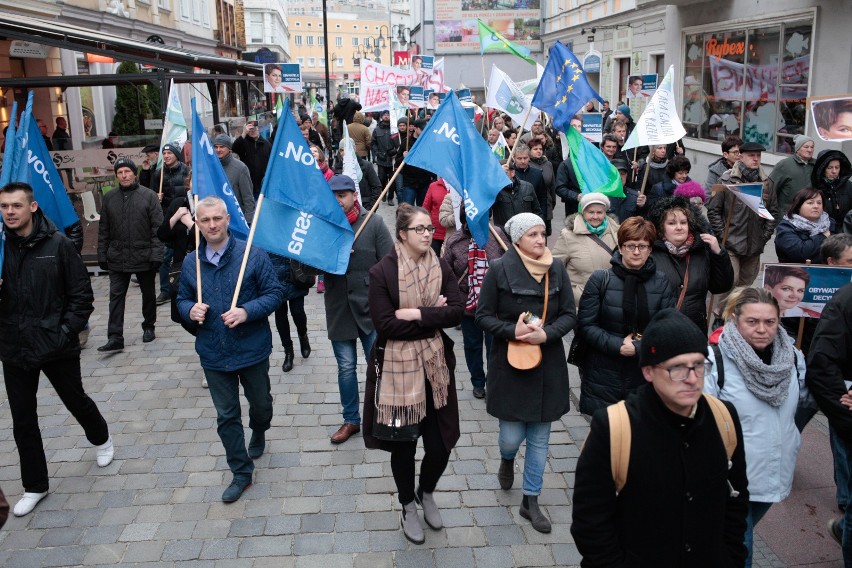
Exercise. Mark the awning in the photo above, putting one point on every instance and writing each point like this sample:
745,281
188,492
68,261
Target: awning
83,40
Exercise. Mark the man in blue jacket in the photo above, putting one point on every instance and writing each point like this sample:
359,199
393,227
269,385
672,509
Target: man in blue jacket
233,344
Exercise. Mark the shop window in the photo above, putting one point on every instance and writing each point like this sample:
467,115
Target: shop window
752,83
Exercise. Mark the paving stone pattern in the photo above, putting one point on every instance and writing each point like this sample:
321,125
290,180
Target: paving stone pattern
312,504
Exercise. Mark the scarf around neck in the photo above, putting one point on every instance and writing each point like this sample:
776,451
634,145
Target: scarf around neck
536,268
354,213
813,228
770,383
402,393
600,229
749,174
477,266
635,301
683,249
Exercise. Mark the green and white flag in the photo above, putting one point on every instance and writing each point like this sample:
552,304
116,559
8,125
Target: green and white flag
351,168
174,125
505,95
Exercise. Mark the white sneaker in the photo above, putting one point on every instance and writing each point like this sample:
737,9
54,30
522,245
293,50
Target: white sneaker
204,382
105,452
27,503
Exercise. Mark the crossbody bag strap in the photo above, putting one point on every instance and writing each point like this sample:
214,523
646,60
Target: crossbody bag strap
600,243
546,295
685,284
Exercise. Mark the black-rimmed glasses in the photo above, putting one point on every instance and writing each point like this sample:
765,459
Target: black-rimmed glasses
420,229
680,373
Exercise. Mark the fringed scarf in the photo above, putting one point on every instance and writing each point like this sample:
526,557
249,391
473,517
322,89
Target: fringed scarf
402,395
682,250
477,266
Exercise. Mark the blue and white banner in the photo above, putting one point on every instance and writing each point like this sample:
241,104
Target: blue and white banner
300,217
209,178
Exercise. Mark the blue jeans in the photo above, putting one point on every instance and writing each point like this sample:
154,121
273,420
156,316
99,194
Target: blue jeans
537,435
842,472
407,195
224,389
346,353
168,254
473,338
756,511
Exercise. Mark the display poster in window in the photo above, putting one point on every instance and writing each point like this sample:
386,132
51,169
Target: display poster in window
282,78
833,118
592,127
457,31
641,86
803,290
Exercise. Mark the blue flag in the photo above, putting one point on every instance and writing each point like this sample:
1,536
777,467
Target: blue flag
451,147
6,173
563,89
34,166
300,218
209,179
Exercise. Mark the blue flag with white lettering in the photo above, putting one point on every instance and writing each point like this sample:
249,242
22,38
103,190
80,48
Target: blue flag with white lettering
451,147
34,166
6,173
209,179
300,217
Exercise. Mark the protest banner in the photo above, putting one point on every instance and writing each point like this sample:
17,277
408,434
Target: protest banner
422,63
464,96
375,77
659,123
282,78
803,290
592,128
735,82
833,117
100,158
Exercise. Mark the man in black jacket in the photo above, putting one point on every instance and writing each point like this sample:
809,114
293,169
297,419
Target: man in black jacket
128,244
385,147
254,151
45,301
829,379
173,174
534,177
517,197
683,504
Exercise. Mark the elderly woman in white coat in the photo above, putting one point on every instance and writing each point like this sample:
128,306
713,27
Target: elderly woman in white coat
762,374
587,242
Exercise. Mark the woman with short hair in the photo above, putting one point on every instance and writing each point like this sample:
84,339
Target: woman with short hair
800,234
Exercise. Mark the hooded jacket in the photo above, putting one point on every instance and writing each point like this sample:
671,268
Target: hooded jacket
385,145
46,298
837,194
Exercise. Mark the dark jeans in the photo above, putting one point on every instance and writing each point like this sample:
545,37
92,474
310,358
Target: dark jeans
118,284
474,338
385,173
413,195
224,389
437,245
21,388
168,254
300,318
434,460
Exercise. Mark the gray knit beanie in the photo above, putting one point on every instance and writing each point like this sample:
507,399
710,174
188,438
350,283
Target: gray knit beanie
800,140
518,225
223,140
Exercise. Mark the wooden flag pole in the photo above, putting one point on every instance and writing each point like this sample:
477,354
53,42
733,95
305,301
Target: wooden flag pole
248,250
801,332
197,260
645,176
162,168
632,171
379,200
497,236
722,244
520,133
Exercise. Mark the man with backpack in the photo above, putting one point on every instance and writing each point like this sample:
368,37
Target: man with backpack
661,480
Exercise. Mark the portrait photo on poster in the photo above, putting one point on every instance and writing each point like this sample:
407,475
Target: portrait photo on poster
833,118
640,86
282,78
803,290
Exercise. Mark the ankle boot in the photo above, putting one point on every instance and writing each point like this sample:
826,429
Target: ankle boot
305,346
531,511
288,358
506,474
410,523
431,513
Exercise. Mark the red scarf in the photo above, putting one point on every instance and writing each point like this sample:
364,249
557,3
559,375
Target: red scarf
353,214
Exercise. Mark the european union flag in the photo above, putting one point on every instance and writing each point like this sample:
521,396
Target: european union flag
209,179
563,89
34,166
451,147
301,219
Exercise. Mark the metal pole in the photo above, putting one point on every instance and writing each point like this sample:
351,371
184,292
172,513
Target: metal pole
325,49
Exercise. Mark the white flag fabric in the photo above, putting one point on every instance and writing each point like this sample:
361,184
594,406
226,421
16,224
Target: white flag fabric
351,169
659,123
505,95
397,110
752,195
174,126
501,147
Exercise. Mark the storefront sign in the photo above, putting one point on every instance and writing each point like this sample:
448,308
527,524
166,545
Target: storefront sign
592,61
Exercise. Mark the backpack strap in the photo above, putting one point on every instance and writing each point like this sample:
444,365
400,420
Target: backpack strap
725,424
720,365
620,438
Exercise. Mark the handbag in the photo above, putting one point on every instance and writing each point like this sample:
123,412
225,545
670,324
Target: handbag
392,430
302,275
526,356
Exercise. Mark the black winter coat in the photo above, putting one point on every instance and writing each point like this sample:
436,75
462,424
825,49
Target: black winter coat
46,298
540,394
796,245
173,179
675,511
708,272
384,145
384,301
181,239
609,376
567,186
254,153
519,197
127,234
535,178
837,194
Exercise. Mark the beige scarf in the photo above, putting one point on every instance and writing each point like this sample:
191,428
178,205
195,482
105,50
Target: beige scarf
402,394
536,268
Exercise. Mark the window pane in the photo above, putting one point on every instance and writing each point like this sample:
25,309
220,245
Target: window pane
796,53
761,84
310,40
338,41
694,105
354,42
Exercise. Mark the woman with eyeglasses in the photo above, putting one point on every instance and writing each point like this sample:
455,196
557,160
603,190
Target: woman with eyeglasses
762,374
527,297
413,296
616,305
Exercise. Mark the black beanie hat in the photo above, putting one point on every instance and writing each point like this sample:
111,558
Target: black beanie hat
669,334
124,162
